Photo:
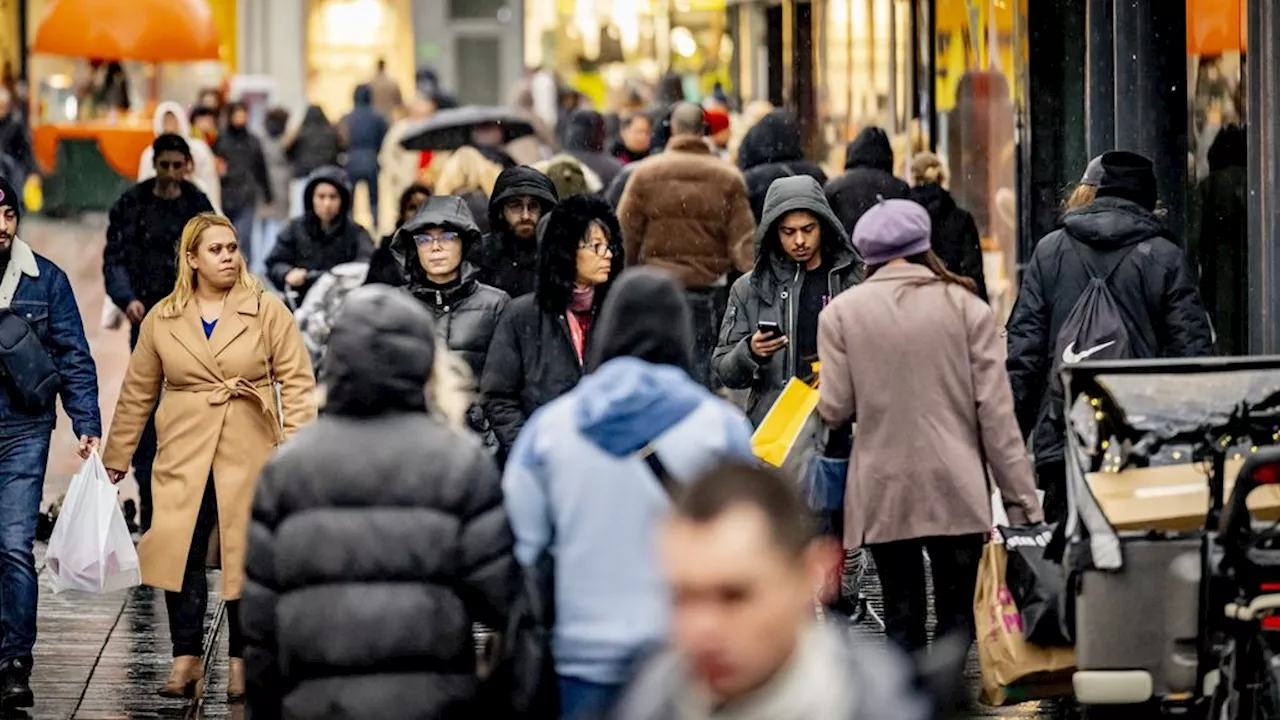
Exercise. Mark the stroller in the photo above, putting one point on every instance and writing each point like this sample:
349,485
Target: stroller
320,306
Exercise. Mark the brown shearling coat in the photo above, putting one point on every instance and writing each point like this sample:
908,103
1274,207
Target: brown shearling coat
218,412
919,365
687,211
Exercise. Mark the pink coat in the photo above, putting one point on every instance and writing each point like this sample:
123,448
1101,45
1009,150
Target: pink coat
917,363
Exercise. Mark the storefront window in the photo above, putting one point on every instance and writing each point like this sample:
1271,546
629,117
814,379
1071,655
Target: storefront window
345,40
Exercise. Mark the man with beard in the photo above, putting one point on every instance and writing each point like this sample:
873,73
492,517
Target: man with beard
52,359
139,263
508,256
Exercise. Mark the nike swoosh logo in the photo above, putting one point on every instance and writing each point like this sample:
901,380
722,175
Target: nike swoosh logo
1071,357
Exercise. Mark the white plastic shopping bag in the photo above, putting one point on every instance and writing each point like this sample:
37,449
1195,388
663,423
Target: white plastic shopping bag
90,549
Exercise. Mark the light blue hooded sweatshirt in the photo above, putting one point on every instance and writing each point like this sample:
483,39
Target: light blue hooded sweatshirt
574,485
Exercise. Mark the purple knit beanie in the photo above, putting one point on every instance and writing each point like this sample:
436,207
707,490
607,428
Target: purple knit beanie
892,229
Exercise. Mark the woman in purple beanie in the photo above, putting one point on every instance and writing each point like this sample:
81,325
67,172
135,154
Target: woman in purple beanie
913,356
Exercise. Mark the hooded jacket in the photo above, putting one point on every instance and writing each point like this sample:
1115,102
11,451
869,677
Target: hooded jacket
205,176
365,130
585,139
326,605
143,232
1151,283
532,359
304,244
772,149
954,234
316,144
466,312
611,601
868,173
771,291
504,260
246,178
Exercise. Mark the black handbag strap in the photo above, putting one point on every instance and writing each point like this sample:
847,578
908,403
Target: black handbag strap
659,470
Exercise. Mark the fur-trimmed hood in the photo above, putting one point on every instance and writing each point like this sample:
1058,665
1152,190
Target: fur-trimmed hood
559,233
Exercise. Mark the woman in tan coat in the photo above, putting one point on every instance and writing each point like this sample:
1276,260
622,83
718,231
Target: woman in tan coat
912,355
218,346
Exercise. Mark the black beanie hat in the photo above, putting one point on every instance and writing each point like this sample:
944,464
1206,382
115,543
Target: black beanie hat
645,316
1128,176
9,197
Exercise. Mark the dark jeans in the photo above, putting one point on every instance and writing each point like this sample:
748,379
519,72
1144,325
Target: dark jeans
1051,477
244,219
144,456
583,700
708,306
900,565
22,465
370,180
187,608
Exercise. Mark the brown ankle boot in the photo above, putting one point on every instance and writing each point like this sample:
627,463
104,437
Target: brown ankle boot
186,680
235,680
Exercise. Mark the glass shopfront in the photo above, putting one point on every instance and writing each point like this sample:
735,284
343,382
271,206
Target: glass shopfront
345,40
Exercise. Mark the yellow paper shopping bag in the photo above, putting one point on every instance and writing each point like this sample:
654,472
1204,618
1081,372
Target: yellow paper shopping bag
788,426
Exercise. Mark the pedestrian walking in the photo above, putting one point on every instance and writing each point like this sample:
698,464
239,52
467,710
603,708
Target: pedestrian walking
955,234
1085,192
314,144
687,212
17,155
508,255
385,92
362,132
171,119
52,362
144,228
274,214
543,339
220,347
324,237
868,175
1218,244
585,139
399,168
914,356
1115,238
742,562
382,626
773,149
245,181
384,268
610,601
803,260
633,138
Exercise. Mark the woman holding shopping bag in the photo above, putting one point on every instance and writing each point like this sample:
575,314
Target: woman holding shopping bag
221,349
913,356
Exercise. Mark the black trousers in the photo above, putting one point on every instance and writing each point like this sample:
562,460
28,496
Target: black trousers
708,306
954,564
1051,477
144,456
187,608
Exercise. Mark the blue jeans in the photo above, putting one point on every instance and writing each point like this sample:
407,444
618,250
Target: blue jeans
22,464
266,230
243,220
583,700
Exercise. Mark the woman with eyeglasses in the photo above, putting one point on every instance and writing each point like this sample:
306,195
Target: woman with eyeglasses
538,348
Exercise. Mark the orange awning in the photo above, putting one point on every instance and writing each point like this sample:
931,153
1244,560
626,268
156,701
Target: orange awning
1215,27
144,30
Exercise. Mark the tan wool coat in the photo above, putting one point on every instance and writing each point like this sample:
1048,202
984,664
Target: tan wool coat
217,412
918,364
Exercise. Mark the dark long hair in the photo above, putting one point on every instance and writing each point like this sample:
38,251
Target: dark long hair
934,263
559,234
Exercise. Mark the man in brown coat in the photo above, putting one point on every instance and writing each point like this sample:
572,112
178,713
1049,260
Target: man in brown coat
686,211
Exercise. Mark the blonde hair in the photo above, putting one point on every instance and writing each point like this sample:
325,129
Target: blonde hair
452,386
176,302
1081,196
466,171
928,169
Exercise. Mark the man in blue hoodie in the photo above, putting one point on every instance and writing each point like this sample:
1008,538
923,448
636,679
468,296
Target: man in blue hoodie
580,483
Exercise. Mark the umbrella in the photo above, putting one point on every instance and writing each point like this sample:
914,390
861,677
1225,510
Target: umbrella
451,129
148,31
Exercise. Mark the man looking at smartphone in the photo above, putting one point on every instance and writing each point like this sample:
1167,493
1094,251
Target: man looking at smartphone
803,259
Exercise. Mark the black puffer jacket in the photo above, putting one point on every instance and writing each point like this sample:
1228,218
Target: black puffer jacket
532,360
1153,286
466,312
868,173
955,235
378,538
504,260
303,244
585,138
316,145
771,291
771,150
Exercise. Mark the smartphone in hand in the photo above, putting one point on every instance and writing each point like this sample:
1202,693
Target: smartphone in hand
770,329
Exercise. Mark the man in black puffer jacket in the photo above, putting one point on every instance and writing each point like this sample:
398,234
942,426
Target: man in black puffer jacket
771,150
508,256
868,175
1151,283
378,538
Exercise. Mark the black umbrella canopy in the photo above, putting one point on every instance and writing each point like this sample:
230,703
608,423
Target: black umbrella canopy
451,129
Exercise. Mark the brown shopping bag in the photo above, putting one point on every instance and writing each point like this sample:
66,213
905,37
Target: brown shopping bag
1013,670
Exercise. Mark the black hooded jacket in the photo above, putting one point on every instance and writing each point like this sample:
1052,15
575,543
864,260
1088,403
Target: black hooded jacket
532,359
868,173
585,138
365,570
955,235
304,244
143,233
771,291
771,150
466,312
1218,245
504,260
1152,285
316,145
246,179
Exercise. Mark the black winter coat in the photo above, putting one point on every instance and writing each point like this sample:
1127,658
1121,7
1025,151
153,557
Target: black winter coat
302,244
1152,285
771,150
246,180
378,538
955,235
316,145
868,174
505,261
1218,244
143,232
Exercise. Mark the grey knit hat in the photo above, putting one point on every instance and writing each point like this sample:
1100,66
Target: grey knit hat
892,229
1093,173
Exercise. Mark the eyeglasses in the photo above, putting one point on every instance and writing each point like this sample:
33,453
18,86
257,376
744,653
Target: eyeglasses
447,237
523,207
171,165
600,249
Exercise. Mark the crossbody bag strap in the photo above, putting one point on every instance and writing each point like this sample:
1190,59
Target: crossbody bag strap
659,470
